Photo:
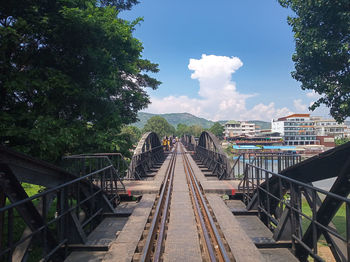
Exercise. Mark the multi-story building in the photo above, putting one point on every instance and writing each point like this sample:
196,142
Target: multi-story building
328,127
236,128
296,129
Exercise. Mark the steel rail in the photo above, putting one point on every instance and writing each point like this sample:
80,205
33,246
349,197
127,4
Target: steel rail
160,216
206,235
208,226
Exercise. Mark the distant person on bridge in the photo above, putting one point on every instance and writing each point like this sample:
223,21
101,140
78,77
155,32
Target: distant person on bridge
165,143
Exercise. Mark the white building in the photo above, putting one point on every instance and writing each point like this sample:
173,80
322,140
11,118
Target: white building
329,127
296,129
236,128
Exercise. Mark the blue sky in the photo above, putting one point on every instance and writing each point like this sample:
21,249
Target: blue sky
241,58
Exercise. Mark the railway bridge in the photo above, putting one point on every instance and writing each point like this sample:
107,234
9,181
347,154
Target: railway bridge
191,203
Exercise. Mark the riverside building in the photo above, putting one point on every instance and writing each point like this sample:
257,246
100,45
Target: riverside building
296,129
328,127
236,128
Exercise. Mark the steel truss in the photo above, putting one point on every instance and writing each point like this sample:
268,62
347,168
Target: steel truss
148,153
278,200
189,142
63,214
210,153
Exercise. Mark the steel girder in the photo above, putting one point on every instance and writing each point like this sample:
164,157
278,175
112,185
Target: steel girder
73,205
210,153
34,171
278,200
148,152
189,142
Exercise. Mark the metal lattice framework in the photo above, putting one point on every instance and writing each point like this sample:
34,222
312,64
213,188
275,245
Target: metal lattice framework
189,142
278,199
148,153
66,210
210,153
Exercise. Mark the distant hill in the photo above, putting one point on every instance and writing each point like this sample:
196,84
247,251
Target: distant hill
262,124
188,119
174,119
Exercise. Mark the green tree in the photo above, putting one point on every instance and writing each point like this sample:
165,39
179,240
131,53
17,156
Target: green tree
181,130
134,134
71,74
196,130
217,129
340,141
160,126
322,58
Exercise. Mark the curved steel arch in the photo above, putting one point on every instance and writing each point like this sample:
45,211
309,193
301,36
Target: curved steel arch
189,142
210,153
148,152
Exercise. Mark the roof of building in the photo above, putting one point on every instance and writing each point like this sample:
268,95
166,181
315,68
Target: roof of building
293,115
232,122
267,134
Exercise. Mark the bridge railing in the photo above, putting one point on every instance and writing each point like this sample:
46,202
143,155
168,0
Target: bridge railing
189,142
299,212
86,163
216,162
142,162
275,162
147,154
51,220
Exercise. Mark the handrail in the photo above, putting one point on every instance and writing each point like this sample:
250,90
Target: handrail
325,192
267,190
51,190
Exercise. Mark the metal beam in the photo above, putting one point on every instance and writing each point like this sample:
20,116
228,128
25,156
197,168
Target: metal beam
33,171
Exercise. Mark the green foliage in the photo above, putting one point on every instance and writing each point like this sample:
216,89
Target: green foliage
194,130
339,219
31,189
217,129
228,150
340,141
182,130
322,59
71,74
133,134
160,126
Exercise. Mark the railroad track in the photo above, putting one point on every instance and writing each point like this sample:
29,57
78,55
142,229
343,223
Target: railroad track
151,247
214,246
152,244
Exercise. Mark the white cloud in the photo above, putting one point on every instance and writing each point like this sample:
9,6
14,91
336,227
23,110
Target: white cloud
219,97
299,106
313,94
266,112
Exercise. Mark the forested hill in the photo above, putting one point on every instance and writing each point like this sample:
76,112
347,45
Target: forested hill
174,119
187,119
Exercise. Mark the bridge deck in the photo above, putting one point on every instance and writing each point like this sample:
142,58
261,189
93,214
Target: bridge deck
182,231
242,233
